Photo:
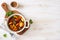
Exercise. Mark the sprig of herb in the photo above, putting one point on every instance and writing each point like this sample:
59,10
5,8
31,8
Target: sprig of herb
5,35
9,13
30,21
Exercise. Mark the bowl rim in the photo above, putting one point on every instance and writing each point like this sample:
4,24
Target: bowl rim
19,30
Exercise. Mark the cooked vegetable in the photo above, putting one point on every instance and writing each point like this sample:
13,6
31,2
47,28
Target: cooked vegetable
10,23
22,19
30,21
5,35
11,26
9,13
15,23
15,16
21,24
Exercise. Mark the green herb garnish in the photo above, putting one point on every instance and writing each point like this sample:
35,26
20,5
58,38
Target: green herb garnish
5,35
30,21
9,13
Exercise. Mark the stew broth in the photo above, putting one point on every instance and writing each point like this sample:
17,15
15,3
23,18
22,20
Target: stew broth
16,23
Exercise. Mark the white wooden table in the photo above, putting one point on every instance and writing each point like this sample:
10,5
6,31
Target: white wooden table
45,15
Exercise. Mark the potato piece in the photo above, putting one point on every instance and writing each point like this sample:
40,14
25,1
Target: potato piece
15,28
10,23
11,26
21,24
22,19
15,16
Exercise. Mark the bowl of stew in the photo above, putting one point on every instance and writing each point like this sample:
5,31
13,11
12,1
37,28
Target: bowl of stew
16,23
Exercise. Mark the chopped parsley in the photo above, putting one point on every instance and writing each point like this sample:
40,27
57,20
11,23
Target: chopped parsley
9,13
5,35
30,21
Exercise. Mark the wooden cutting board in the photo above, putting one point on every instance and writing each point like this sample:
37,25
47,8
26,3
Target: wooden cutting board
5,7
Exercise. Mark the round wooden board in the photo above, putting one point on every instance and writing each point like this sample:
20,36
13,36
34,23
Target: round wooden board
5,7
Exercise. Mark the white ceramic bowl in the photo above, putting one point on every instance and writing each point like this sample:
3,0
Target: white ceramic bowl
7,27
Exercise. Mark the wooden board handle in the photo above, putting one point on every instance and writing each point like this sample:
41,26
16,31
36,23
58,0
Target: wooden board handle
4,6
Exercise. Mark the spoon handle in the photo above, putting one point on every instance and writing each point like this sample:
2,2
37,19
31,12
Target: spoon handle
5,7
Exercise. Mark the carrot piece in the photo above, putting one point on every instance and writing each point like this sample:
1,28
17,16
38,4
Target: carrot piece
10,23
17,24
